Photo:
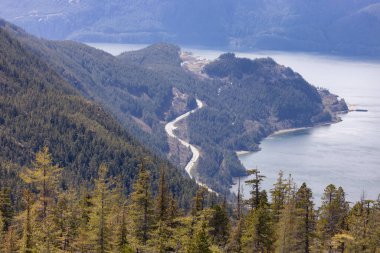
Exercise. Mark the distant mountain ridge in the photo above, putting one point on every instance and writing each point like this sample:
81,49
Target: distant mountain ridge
328,26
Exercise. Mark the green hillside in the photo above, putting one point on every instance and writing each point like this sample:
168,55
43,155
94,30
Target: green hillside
39,108
245,100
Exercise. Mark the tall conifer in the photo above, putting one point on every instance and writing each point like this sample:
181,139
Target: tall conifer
141,208
255,183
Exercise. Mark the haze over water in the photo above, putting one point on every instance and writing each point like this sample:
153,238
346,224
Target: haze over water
346,154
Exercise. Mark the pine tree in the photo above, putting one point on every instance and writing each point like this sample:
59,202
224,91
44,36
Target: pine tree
45,176
200,243
82,241
141,207
343,209
6,207
363,224
10,241
27,241
254,201
198,211
199,201
165,212
278,196
119,213
162,201
99,216
239,202
67,218
234,241
258,234
219,224
286,227
2,232
306,223
332,216
172,210
122,241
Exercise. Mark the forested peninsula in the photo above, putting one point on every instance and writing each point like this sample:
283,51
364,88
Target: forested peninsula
147,88
86,164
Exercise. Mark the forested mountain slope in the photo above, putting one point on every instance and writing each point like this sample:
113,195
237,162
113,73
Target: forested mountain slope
129,91
245,100
39,108
332,27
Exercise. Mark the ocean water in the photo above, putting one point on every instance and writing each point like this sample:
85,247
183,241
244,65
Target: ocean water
346,154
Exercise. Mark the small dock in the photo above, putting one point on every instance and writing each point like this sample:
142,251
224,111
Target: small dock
354,108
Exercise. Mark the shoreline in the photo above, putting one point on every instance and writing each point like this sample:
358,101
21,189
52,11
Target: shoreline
286,131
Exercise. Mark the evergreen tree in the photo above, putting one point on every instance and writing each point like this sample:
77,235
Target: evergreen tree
363,224
141,207
122,244
173,211
162,201
10,241
287,228
306,223
2,232
295,226
234,243
6,207
278,196
120,240
200,243
166,212
67,218
258,234
239,202
82,241
219,224
199,201
343,209
100,213
45,176
332,216
27,244
255,182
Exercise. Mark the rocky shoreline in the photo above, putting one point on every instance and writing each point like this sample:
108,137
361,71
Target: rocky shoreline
334,105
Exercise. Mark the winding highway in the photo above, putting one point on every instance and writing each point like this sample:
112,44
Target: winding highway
170,127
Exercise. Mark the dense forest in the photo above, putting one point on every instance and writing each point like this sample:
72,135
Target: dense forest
54,217
39,108
75,177
267,97
147,88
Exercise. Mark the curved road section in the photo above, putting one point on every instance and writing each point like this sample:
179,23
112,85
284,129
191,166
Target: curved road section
170,127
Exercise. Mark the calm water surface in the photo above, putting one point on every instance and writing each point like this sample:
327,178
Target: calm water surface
346,154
